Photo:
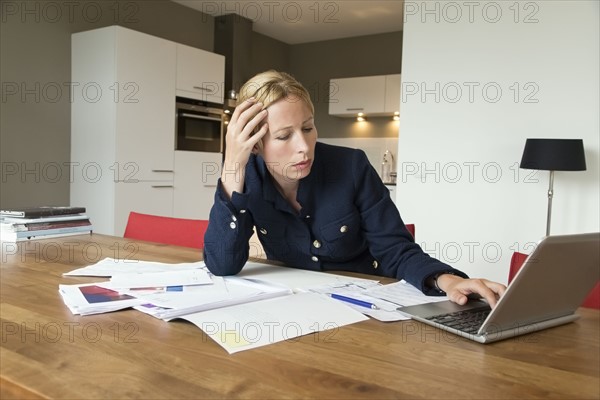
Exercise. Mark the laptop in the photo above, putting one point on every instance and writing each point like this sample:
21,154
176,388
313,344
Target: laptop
550,286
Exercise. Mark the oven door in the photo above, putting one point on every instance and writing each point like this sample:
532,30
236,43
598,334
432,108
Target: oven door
199,131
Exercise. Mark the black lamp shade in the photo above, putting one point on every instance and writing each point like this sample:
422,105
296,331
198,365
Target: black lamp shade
554,155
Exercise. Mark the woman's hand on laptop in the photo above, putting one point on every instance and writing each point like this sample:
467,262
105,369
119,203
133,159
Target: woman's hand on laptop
457,289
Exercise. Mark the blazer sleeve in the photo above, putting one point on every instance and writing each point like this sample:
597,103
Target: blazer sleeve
389,241
226,241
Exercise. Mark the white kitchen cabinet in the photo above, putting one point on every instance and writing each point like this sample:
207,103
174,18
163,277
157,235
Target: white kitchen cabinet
392,94
196,176
200,74
350,96
154,198
377,95
122,125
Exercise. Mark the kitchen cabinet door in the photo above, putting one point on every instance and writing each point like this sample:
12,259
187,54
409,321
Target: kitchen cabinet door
154,198
392,93
145,104
200,74
196,176
350,96
123,127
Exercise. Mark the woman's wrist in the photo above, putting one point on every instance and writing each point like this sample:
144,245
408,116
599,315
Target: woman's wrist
442,281
232,178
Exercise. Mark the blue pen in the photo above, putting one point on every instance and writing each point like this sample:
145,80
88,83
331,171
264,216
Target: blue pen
354,301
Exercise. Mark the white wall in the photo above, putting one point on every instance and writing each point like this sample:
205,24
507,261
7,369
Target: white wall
458,175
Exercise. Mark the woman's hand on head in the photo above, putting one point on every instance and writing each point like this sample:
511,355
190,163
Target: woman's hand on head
246,128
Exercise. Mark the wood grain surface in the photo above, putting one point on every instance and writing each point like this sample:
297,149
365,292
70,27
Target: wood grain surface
46,352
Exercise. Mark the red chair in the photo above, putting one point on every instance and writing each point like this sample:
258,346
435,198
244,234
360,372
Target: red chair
411,229
177,231
517,260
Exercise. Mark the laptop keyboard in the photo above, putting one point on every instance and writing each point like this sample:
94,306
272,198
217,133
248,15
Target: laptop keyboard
468,321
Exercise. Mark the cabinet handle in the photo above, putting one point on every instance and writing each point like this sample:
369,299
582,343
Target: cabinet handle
210,186
355,109
201,88
162,170
161,186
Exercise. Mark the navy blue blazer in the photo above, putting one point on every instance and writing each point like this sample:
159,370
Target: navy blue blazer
347,222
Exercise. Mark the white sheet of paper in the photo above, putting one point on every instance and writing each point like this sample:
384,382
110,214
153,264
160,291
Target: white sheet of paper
224,292
203,295
108,267
169,278
78,304
402,294
386,297
386,311
294,278
252,325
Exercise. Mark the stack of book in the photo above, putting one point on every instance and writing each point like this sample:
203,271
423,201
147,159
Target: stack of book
42,222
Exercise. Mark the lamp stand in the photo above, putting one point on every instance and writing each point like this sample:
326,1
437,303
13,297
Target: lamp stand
550,194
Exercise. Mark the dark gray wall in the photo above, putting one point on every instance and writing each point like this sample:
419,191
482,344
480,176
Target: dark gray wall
233,39
269,53
314,64
35,68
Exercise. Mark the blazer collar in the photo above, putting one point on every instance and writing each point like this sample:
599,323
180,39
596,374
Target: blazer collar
269,191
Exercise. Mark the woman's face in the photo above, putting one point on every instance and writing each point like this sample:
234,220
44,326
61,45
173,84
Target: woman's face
289,145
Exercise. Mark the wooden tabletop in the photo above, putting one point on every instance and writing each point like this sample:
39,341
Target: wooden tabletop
46,352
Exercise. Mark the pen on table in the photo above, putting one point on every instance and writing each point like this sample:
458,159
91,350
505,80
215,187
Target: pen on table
354,301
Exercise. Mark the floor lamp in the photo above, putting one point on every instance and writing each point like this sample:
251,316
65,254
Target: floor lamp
553,155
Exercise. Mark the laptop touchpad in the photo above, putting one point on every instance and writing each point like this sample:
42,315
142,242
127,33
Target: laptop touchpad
442,307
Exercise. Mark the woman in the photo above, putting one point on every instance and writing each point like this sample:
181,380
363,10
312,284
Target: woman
315,206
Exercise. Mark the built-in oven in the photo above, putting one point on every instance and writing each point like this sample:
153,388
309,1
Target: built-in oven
199,125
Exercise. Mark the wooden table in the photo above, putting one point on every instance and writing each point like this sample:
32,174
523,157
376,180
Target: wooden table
46,352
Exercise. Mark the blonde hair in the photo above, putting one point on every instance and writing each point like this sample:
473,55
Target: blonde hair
271,86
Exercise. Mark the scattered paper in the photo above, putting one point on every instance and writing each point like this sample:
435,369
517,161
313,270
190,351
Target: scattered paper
108,267
385,311
94,299
255,308
402,294
294,278
223,293
169,278
248,326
